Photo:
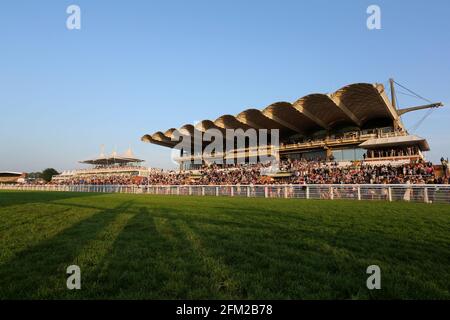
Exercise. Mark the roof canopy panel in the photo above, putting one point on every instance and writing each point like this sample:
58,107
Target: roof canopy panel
363,100
160,137
230,122
256,119
321,109
169,133
285,114
205,125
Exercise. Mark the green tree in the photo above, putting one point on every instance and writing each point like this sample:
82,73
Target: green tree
48,173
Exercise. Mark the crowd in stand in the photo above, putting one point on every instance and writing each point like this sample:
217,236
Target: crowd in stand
393,152
105,179
318,173
286,172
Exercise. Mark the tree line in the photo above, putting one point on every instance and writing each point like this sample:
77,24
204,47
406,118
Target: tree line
45,175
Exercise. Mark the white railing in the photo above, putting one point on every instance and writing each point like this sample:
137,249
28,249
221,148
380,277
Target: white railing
429,193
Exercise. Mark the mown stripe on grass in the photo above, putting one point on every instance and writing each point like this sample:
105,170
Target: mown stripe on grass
222,283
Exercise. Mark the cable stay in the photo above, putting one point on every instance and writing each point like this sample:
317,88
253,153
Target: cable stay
412,92
430,106
426,115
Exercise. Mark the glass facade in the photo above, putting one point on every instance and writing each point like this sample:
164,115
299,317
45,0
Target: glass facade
348,154
308,155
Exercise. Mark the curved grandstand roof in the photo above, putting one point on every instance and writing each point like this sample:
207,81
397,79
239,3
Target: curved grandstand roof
353,105
10,173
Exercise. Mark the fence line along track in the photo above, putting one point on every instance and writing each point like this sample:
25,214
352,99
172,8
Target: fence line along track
429,193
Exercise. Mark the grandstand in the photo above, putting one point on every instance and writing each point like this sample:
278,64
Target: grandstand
11,177
352,136
356,123
114,169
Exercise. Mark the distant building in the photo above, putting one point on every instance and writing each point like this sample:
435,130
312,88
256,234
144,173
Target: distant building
125,165
11,177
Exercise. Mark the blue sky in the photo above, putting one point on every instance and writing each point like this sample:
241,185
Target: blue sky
136,67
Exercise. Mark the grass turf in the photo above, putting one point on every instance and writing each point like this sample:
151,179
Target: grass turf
166,247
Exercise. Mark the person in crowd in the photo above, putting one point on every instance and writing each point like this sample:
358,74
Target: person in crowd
444,163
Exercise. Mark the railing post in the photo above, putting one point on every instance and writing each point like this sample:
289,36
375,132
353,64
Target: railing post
425,195
190,190
359,192
331,193
203,191
266,192
307,192
217,191
248,191
285,192
232,191
390,194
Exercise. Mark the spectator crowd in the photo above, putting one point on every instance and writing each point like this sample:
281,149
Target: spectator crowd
285,172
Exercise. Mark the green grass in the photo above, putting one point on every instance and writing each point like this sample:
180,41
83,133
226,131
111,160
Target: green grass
167,247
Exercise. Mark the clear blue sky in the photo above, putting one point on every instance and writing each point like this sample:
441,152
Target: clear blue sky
136,67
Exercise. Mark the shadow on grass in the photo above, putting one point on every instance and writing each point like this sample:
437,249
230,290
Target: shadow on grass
136,266
12,198
156,257
31,271
78,205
